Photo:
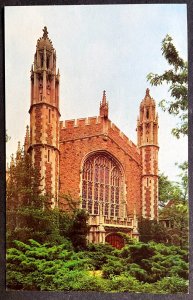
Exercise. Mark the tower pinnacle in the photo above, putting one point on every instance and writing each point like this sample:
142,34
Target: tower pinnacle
27,139
104,106
104,100
12,163
45,32
18,153
147,93
18,147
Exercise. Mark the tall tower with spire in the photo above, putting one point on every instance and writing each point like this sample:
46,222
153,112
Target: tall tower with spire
44,117
147,139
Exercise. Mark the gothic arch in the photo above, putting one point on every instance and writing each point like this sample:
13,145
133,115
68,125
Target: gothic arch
115,239
102,185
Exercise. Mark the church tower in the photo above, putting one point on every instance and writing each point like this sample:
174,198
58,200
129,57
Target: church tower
44,117
147,135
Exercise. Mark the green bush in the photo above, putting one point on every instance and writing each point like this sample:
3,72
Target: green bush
181,270
104,248
112,268
140,251
65,280
172,285
125,252
98,259
148,268
136,271
123,284
100,254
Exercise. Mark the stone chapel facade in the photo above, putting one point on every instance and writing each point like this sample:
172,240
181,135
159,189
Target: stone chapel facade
90,158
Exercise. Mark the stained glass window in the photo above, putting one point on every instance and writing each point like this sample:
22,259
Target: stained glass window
102,185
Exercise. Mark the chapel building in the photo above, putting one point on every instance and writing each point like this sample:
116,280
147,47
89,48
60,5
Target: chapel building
90,158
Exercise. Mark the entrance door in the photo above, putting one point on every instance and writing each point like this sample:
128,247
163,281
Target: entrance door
115,240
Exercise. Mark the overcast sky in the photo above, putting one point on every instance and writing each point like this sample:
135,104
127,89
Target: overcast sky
103,47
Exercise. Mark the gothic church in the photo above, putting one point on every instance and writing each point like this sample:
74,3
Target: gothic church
90,158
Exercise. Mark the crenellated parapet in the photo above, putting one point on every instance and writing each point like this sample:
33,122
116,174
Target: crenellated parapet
92,127
81,122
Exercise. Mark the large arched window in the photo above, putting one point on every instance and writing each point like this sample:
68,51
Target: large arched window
102,185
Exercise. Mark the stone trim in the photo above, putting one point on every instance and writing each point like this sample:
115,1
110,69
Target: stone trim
44,103
43,145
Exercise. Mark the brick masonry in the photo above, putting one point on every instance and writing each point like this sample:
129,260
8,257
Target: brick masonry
59,148
76,142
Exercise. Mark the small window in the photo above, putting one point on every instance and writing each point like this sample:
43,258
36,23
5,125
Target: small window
47,63
147,114
48,155
49,116
147,181
42,61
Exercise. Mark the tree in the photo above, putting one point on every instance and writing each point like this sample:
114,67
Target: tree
173,213
174,207
177,79
23,184
26,213
183,179
73,222
177,231
79,229
29,215
22,192
152,230
168,190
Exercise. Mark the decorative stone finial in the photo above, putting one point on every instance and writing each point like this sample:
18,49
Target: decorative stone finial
27,139
104,106
18,153
45,32
19,147
12,160
147,93
104,100
27,132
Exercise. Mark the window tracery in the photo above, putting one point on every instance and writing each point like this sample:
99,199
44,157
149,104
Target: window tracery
102,186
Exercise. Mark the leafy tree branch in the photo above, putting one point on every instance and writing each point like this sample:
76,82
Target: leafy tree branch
177,80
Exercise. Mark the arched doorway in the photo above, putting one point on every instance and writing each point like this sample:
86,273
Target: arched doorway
115,240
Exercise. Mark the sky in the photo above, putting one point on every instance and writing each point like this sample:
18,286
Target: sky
99,47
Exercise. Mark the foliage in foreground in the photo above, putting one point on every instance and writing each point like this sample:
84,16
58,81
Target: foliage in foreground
138,267
28,213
